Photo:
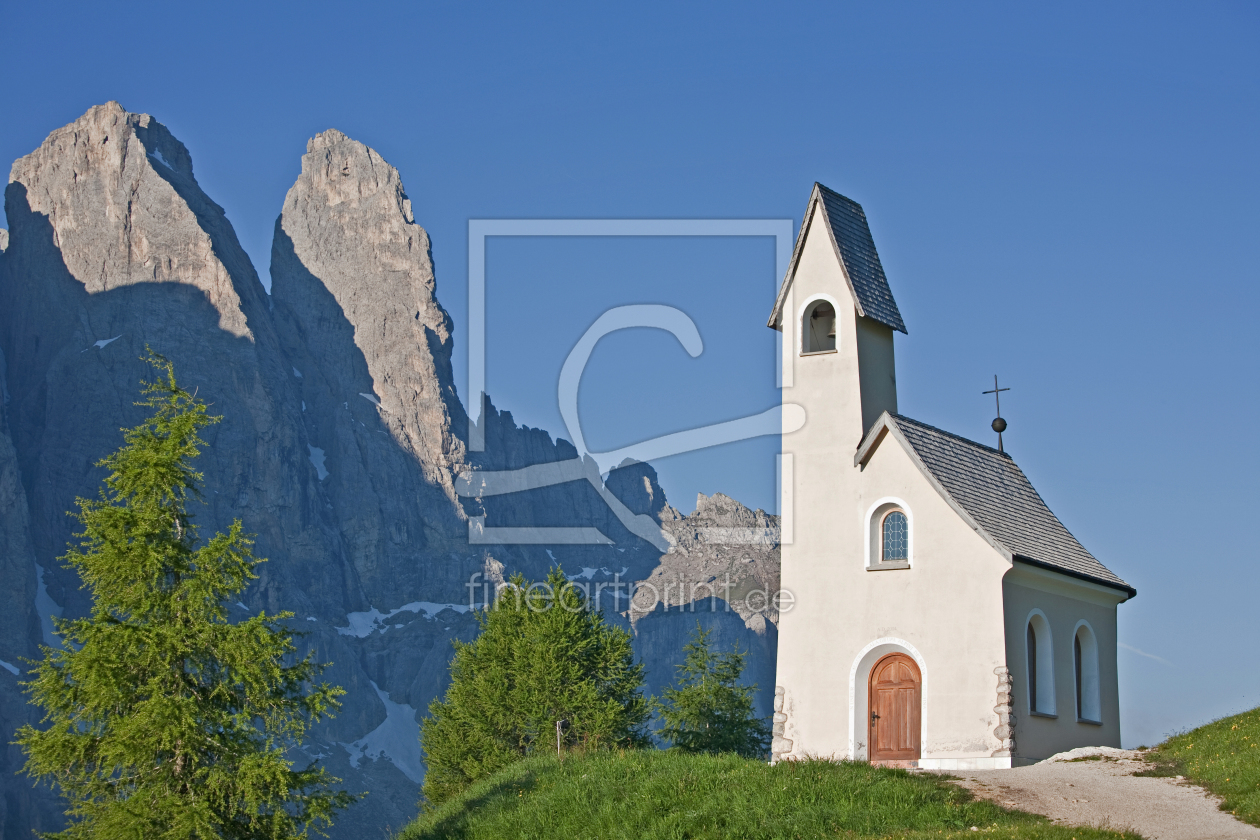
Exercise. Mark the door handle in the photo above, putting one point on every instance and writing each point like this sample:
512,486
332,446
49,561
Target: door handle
874,717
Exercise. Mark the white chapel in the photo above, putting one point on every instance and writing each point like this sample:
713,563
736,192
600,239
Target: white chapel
944,617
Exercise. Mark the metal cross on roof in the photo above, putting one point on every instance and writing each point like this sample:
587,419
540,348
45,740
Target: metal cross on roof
999,425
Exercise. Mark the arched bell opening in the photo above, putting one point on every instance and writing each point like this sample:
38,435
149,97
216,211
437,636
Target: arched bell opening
818,330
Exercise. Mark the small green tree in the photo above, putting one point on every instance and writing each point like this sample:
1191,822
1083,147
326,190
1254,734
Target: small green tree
709,711
165,721
543,655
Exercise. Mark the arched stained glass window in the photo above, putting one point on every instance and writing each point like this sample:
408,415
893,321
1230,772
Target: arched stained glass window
896,538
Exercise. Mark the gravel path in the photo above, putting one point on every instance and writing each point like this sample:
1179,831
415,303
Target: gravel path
1105,793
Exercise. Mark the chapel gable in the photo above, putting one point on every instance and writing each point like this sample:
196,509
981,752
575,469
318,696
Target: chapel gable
844,224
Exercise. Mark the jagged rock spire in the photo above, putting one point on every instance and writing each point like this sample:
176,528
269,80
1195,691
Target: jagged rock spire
120,187
347,230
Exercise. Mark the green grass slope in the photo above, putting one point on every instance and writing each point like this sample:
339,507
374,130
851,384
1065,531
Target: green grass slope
659,794
1223,757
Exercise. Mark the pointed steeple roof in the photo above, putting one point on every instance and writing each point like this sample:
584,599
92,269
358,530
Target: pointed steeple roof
855,248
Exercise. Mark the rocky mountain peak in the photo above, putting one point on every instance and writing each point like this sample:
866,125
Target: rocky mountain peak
324,139
351,267
721,507
349,171
121,187
124,185
635,483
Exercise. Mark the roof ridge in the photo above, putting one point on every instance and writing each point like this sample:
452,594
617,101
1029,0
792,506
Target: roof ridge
956,437
828,189
823,188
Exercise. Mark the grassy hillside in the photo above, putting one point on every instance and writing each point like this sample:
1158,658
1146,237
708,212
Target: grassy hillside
662,794
1223,756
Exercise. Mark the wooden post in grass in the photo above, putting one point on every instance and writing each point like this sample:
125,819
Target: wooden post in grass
561,725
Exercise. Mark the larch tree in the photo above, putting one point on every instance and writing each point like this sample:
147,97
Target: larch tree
163,719
709,711
544,654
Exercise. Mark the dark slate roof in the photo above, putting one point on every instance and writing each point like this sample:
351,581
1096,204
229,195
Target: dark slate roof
991,488
861,260
853,240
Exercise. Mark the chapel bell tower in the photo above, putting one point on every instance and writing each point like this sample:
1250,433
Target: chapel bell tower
837,316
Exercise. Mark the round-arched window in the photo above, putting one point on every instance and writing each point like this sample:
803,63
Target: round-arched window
818,330
888,541
1039,653
1085,659
895,538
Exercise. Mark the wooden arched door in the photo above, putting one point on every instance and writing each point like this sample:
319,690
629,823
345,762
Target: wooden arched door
895,704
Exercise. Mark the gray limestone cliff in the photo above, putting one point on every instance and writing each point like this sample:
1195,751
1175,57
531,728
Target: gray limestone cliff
722,550
23,807
341,447
346,244
114,247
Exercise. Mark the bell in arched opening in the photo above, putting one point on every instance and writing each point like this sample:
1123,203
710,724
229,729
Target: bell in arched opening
819,329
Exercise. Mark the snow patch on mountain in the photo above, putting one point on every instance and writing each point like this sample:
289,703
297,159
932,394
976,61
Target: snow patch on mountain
156,154
317,460
47,609
397,739
102,344
364,624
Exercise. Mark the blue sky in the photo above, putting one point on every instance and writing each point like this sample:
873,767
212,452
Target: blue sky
1064,196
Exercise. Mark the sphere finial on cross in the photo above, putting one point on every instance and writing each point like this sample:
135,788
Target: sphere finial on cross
999,425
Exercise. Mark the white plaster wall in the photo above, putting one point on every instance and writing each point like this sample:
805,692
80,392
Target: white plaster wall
946,611
1064,601
947,608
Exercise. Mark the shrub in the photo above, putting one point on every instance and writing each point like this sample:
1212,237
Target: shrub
543,655
709,711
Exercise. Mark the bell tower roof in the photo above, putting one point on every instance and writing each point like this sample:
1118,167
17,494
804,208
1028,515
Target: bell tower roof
854,247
